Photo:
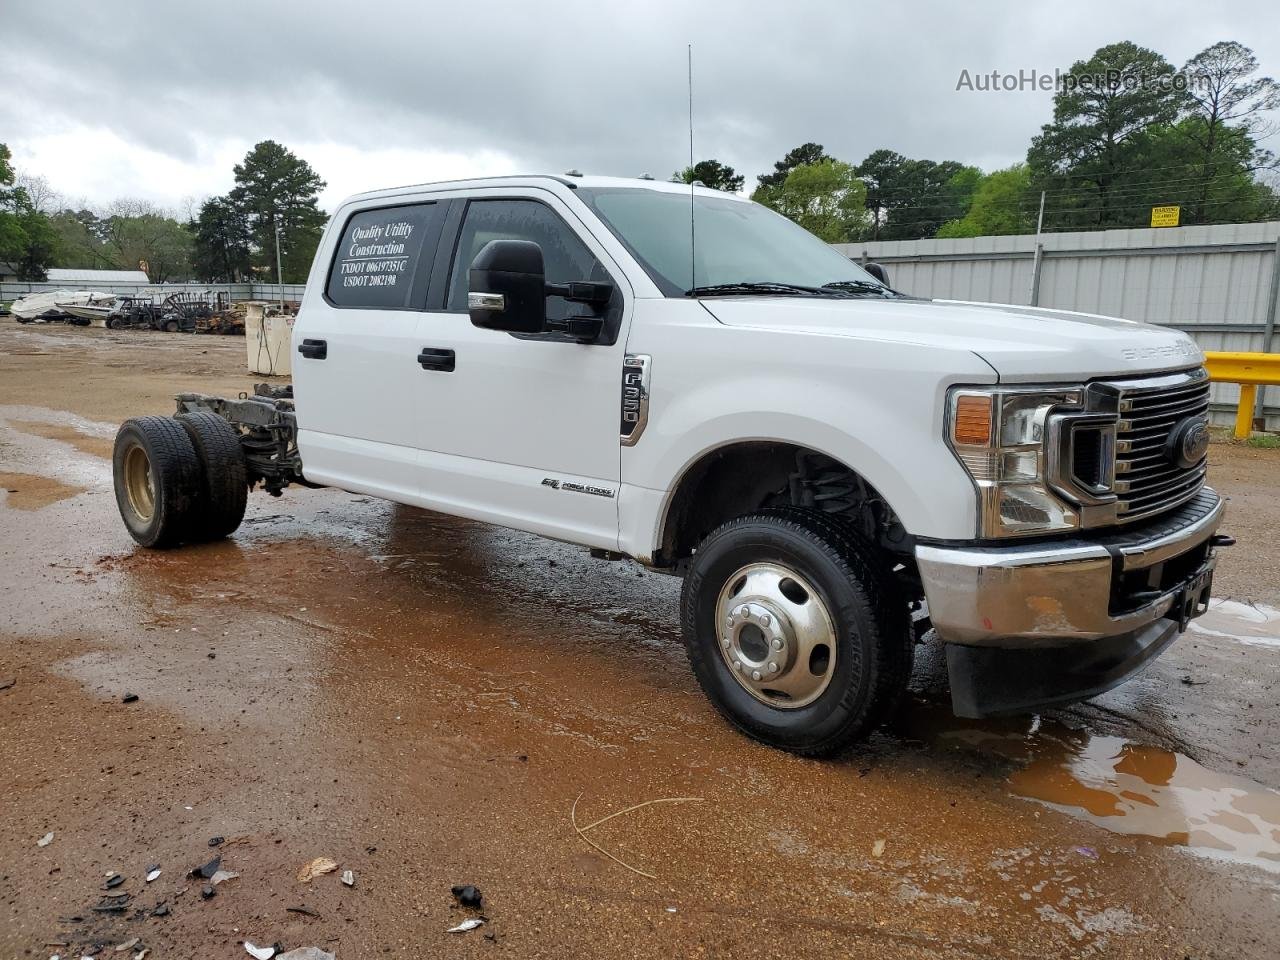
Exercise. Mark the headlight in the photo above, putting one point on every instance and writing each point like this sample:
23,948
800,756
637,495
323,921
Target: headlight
999,436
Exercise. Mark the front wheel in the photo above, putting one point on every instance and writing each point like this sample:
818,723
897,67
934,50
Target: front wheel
795,630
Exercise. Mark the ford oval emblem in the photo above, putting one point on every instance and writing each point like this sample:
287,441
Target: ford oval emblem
1188,442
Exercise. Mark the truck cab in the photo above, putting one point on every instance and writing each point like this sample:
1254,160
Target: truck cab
837,470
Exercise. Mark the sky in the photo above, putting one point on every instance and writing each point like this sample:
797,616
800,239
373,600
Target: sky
159,100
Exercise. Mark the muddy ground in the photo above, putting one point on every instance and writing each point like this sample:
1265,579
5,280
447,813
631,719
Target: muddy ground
425,701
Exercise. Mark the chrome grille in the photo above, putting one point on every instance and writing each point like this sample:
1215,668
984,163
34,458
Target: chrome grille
1147,482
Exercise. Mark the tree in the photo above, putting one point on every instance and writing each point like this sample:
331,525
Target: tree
128,235
80,234
27,241
1220,186
910,199
711,173
137,235
803,155
41,194
275,188
222,242
826,198
879,171
1002,204
1093,148
1223,90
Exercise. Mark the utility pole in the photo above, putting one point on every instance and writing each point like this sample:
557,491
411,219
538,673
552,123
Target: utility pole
1038,257
279,271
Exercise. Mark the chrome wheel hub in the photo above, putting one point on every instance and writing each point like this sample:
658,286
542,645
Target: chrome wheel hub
776,635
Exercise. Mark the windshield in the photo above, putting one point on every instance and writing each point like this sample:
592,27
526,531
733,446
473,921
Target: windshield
737,242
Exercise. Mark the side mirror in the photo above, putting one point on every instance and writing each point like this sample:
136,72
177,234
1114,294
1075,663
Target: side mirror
877,271
508,291
507,288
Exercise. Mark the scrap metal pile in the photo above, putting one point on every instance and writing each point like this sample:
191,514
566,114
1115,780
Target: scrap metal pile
185,312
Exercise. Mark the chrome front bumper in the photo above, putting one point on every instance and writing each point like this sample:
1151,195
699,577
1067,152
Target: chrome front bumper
1055,594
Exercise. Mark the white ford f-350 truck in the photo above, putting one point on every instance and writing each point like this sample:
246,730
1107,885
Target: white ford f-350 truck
683,377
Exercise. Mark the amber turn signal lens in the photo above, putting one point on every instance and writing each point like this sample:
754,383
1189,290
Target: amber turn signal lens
973,420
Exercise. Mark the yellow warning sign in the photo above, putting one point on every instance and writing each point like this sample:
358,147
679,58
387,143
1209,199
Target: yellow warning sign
1164,216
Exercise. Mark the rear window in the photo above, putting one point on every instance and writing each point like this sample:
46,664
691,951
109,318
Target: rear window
384,258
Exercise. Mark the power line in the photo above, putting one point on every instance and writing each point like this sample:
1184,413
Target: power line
1125,187
1135,196
1143,169
1076,211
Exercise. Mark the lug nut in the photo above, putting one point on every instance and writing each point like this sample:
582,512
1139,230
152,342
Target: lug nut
773,667
777,643
729,620
737,665
743,611
724,641
755,674
765,619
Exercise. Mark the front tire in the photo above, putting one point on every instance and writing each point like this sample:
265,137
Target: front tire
795,630
157,480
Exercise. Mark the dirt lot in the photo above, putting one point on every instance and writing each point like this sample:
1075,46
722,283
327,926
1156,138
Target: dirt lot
426,700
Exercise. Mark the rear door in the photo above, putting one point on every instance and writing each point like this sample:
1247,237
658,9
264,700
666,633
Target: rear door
523,430
355,370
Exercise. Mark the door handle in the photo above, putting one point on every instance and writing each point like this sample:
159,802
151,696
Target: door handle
435,358
314,349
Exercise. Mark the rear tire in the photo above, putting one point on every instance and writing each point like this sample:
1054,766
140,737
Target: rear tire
796,630
157,479
221,505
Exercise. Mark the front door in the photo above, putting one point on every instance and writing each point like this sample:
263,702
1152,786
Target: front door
523,430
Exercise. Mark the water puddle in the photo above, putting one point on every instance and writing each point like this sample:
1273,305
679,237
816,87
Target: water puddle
94,445
1122,786
1255,625
1148,791
26,491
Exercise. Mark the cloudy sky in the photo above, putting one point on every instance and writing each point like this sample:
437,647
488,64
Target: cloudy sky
159,100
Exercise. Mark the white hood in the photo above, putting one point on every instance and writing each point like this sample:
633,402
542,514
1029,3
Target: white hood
1020,343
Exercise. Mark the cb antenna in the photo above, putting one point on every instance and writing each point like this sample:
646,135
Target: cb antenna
693,284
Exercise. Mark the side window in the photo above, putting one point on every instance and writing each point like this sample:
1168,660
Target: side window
565,257
377,261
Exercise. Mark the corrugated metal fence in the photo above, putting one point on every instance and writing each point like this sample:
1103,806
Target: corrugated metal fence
1218,283
14,290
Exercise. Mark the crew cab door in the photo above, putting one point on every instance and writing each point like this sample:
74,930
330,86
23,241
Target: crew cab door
522,430
356,378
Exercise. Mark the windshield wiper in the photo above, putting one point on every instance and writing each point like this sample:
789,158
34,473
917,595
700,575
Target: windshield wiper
860,286
776,287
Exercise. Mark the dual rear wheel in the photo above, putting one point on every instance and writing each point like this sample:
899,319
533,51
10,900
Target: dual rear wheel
179,479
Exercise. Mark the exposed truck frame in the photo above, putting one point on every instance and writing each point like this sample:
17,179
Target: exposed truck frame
268,432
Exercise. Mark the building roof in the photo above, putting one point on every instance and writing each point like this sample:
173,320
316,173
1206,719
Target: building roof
59,275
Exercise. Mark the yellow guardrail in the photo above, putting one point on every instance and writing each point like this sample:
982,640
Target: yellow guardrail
1250,370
